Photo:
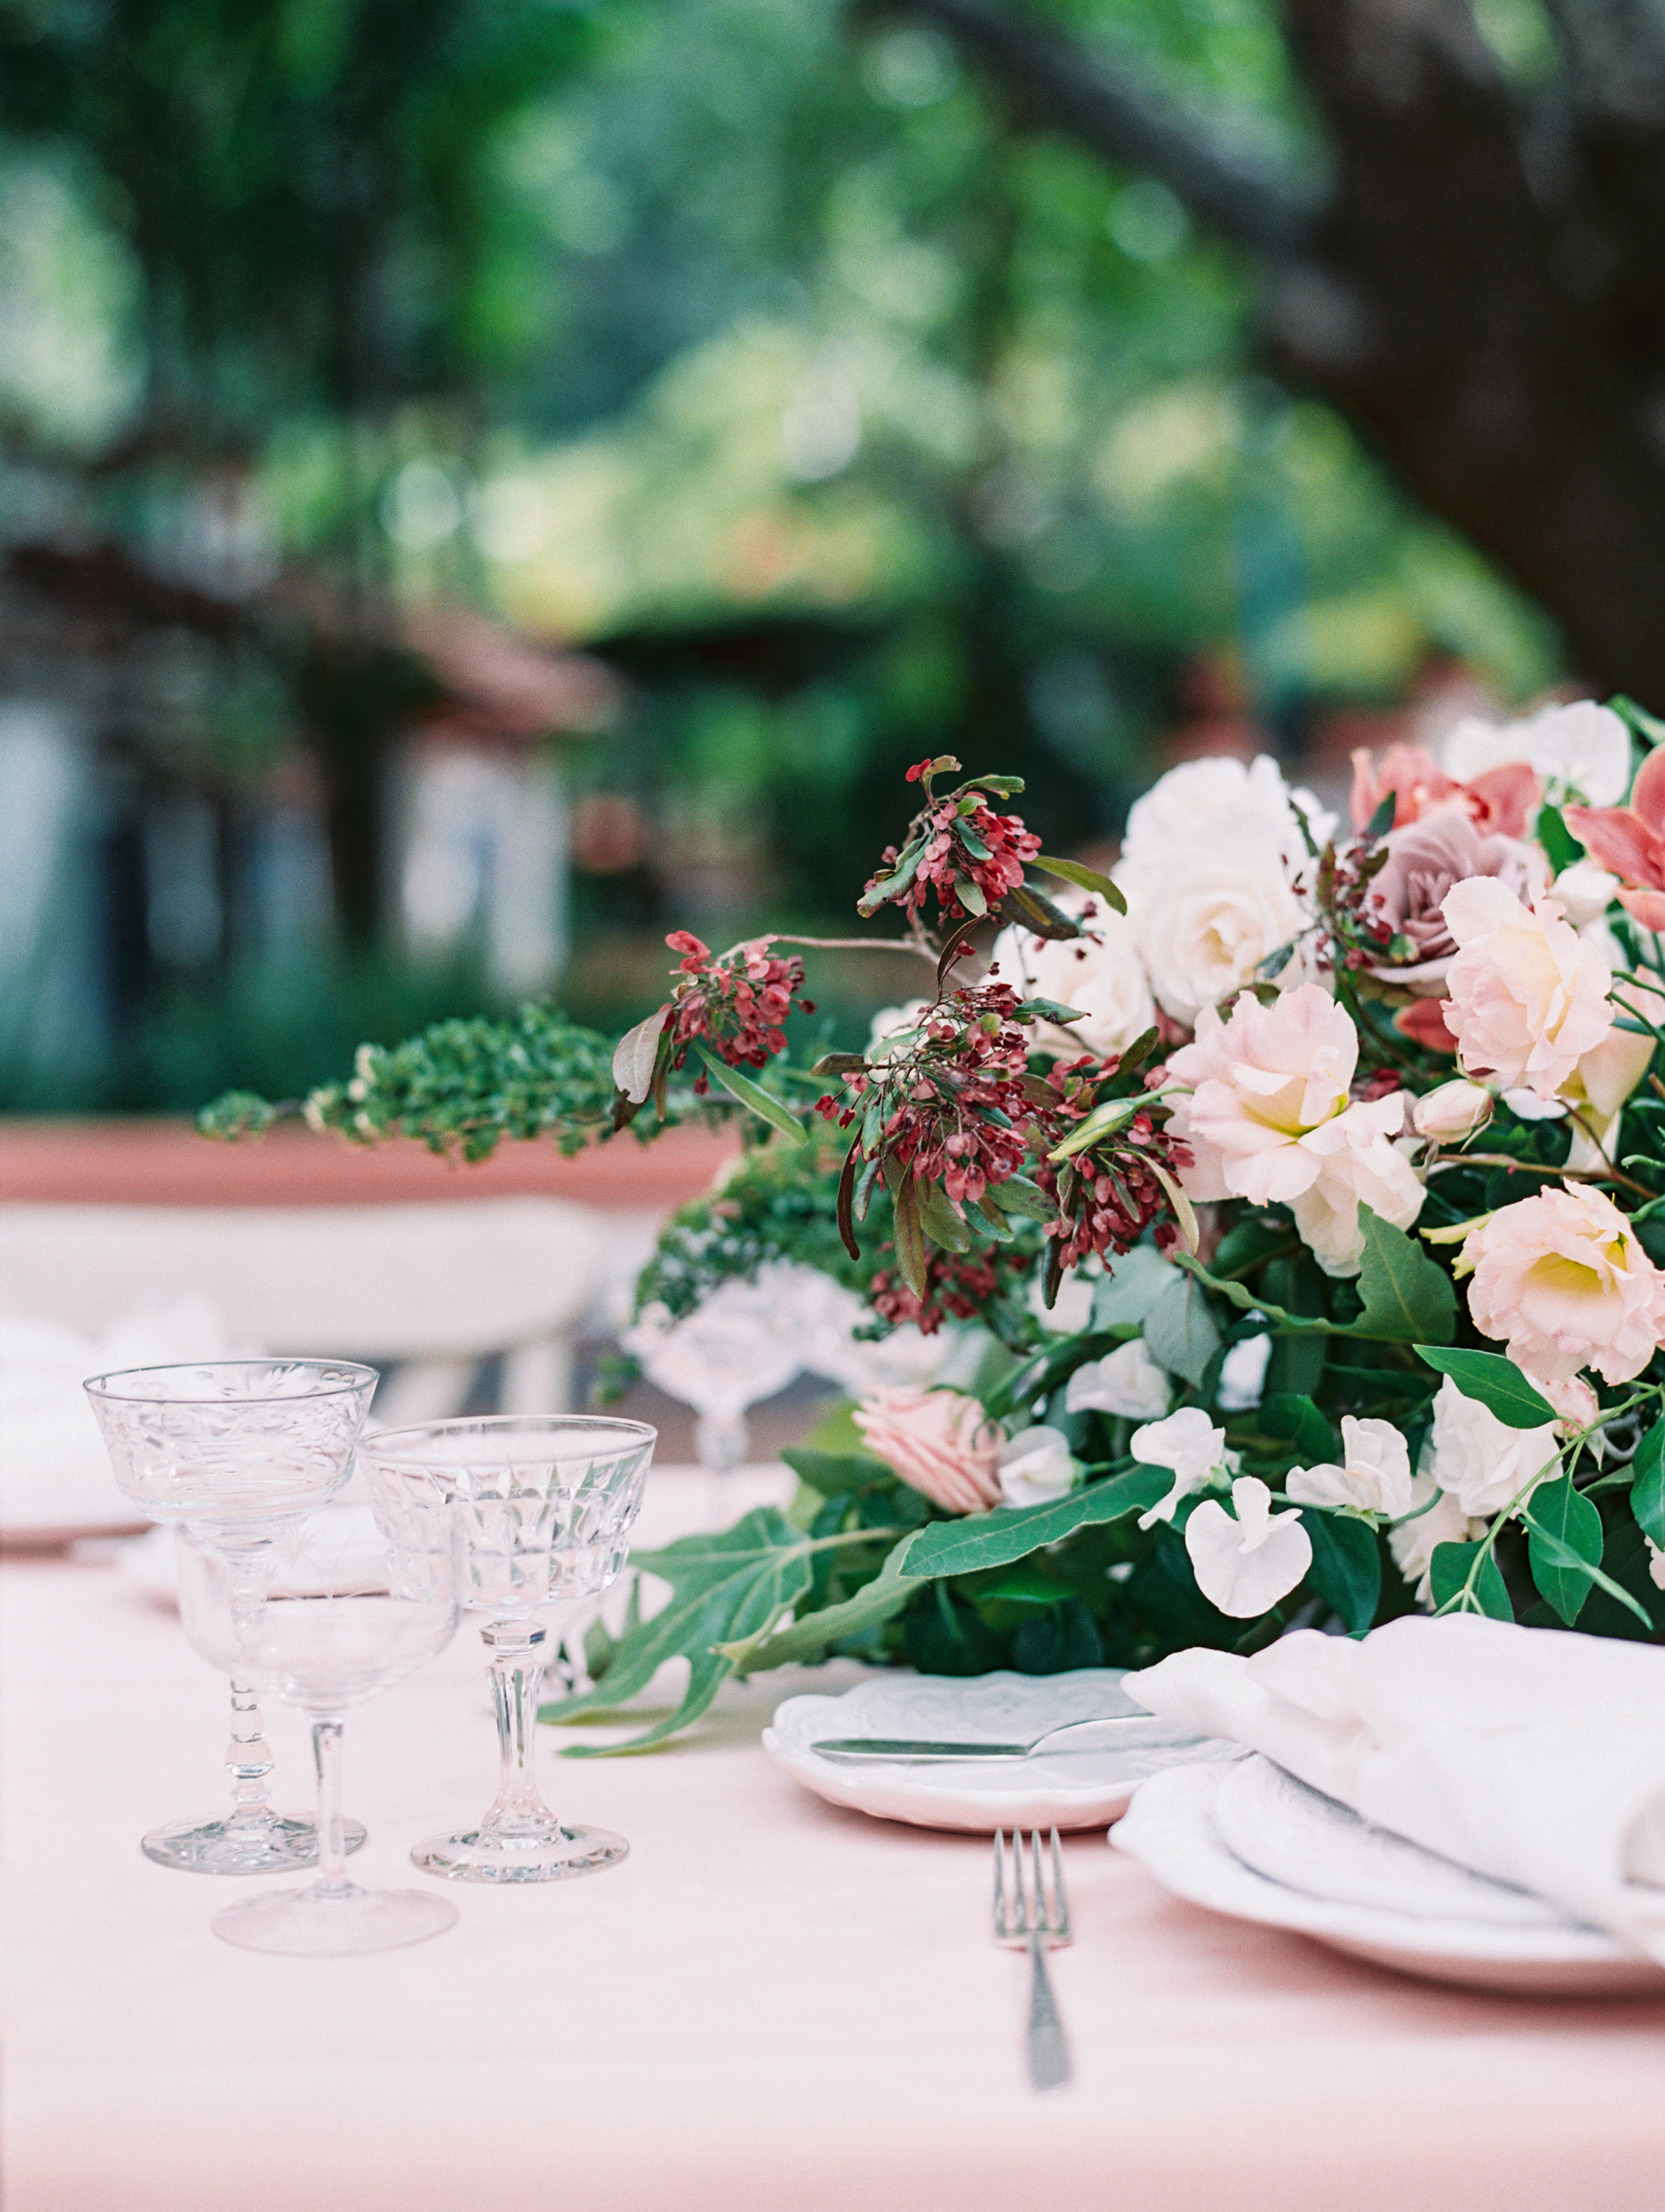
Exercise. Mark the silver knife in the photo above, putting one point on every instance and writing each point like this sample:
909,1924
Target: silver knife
922,1751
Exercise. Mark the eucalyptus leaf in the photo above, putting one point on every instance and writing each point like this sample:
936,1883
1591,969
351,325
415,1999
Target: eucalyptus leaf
994,1540
1180,1334
1492,1382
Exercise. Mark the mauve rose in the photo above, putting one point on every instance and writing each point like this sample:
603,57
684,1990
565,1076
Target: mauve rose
1425,860
939,1441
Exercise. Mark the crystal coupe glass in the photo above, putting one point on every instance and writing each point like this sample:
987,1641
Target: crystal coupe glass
548,1501
346,1606
236,1450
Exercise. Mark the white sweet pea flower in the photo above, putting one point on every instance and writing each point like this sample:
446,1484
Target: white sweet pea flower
1243,1375
1414,1542
1126,1381
1036,1466
1244,1566
1582,751
1655,1563
1375,1475
1188,1443
1481,1461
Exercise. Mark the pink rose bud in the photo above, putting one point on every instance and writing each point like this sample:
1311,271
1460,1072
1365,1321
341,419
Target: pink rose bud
939,1441
1455,1111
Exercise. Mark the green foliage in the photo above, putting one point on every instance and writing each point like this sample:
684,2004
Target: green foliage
1465,1578
1564,1547
1346,1567
995,1539
1648,1484
1405,1293
1494,1382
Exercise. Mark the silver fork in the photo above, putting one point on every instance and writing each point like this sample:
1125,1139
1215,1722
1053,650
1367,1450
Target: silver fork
1033,1915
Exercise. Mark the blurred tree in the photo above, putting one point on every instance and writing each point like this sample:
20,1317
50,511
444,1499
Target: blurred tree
1478,278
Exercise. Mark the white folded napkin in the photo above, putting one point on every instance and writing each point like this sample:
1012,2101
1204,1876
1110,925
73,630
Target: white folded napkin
1534,1756
54,1470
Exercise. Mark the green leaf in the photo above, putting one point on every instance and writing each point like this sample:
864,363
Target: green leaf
994,1540
635,1053
1648,1484
1296,1420
1556,839
723,1587
1406,1294
1563,1544
1087,879
1347,1566
1494,1382
1465,1578
1038,913
1018,1194
970,895
1050,1009
1646,727
939,1219
835,1473
910,1236
806,1639
897,881
1180,1333
761,1104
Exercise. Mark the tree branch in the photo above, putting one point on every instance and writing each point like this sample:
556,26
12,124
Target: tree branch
1058,86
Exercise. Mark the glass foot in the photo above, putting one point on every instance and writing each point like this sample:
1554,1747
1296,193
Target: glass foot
272,1845
316,1923
558,1853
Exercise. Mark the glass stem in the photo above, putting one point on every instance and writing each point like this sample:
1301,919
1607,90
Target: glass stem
331,1839
517,1673
248,1759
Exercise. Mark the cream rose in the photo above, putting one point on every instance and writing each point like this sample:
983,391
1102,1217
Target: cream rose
1215,803
1562,1279
1207,919
1270,1119
1414,1541
1528,996
1374,1476
1479,1461
1126,1381
1036,1466
1102,973
939,1441
1452,1112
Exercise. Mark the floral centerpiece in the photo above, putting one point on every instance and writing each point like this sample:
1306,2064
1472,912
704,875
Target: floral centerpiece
1279,1218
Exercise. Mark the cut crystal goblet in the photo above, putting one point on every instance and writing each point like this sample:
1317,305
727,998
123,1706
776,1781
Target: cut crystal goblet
547,1501
235,1450
337,1611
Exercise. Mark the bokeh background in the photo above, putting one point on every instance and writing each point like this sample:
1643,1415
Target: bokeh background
488,481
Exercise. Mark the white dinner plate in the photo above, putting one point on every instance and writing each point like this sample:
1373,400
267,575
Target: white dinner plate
1079,1788
1372,1895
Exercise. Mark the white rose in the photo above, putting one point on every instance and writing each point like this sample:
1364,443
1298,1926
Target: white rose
1126,1381
1481,1461
1188,1443
1209,916
1102,973
1374,1477
1216,803
1414,1542
1243,1566
1036,1467
1582,751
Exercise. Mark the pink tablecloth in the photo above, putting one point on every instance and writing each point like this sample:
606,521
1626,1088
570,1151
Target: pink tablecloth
772,2006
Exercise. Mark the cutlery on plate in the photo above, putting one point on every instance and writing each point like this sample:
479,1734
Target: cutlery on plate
922,1750
1031,1912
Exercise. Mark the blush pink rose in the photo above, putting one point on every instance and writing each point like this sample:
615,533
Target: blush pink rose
939,1441
1270,1118
1528,996
1562,1280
